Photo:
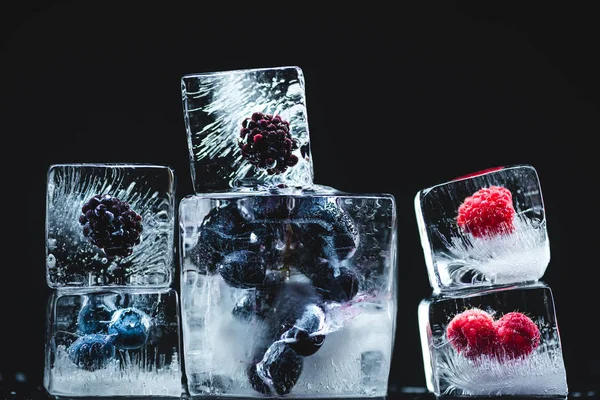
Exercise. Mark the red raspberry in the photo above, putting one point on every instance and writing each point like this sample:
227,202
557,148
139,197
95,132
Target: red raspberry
517,335
472,333
488,212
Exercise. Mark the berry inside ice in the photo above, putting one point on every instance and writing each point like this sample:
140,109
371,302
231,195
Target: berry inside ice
488,212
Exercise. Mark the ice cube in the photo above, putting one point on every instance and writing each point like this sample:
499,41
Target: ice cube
247,128
110,225
326,293
484,229
113,342
501,341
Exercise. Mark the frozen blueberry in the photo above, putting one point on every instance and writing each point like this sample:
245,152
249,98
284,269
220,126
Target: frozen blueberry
339,285
303,336
92,352
279,370
129,328
111,225
259,301
243,269
94,317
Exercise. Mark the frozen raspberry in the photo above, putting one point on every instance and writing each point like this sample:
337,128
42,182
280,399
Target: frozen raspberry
266,142
517,335
111,224
472,333
488,212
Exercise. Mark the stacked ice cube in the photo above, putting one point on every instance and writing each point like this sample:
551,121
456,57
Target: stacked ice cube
287,287
489,327
113,317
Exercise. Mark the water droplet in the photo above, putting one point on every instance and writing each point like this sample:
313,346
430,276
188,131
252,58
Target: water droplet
51,261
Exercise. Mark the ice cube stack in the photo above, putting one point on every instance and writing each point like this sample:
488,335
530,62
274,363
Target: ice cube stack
112,315
287,287
489,327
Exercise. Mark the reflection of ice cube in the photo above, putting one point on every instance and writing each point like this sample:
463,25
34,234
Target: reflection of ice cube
73,258
136,359
456,257
215,105
449,371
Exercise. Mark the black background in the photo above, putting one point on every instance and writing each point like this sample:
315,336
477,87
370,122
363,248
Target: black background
400,97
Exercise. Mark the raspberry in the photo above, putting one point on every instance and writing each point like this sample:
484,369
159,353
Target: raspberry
517,335
266,142
472,333
488,212
111,224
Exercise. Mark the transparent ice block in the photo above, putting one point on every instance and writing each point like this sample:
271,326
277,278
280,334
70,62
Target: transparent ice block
110,225
499,235
292,293
216,104
508,346
113,342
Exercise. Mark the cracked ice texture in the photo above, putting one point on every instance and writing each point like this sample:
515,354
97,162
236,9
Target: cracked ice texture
215,105
73,261
456,259
447,372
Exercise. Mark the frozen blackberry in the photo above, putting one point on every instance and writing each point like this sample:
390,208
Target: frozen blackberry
111,225
92,352
266,142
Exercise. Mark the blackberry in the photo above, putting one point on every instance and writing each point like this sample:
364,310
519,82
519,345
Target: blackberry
92,352
266,142
111,225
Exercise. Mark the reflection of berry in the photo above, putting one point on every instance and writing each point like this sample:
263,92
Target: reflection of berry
517,335
472,333
266,143
111,224
488,212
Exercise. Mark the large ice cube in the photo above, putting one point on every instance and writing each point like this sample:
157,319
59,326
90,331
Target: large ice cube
483,229
109,225
113,342
288,293
247,128
501,341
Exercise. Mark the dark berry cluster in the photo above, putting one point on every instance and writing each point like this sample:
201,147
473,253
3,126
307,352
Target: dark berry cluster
111,225
266,142
257,247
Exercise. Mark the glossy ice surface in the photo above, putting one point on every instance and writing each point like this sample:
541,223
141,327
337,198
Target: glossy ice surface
288,294
493,246
497,359
218,105
113,342
91,243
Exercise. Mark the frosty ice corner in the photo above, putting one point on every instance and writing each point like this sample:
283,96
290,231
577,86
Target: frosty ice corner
283,281
489,327
112,325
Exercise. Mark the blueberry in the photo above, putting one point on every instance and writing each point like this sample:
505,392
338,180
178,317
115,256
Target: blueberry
302,337
243,269
130,328
325,230
93,317
279,370
226,229
92,352
339,285
259,301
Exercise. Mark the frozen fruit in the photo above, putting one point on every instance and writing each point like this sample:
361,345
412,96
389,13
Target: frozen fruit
266,142
92,352
472,333
111,225
129,328
94,317
488,212
278,370
243,269
517,335
303,336
336,284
